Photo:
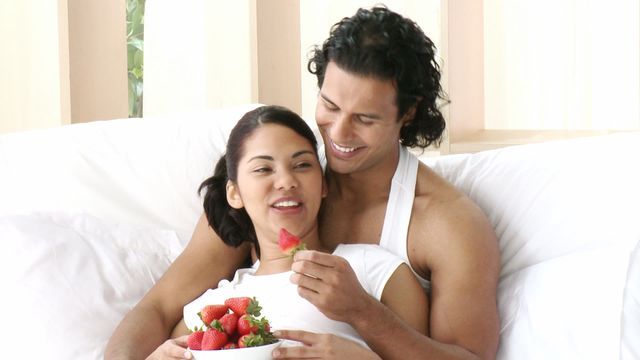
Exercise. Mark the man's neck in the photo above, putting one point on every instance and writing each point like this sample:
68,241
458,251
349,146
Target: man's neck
363,185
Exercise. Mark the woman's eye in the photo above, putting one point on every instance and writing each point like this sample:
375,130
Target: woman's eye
262,170
303,165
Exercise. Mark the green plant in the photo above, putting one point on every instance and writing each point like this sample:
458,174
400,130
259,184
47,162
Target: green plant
135,55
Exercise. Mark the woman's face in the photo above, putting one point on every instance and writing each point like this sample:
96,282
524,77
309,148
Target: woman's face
279,182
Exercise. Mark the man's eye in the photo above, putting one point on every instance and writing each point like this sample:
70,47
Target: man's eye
330,107
365,120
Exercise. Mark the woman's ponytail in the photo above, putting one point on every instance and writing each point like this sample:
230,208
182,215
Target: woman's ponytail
232,225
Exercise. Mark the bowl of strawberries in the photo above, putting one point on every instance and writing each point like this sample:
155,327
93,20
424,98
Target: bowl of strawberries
233,330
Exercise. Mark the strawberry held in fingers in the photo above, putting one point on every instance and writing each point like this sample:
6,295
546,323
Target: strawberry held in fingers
289,243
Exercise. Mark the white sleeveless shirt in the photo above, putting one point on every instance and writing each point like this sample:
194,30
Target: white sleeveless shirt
395,229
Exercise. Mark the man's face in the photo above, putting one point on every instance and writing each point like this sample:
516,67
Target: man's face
358,120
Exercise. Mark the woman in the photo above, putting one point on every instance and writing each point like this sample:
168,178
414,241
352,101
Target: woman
270,178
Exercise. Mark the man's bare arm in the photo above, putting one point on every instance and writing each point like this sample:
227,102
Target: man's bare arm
463,258
204,262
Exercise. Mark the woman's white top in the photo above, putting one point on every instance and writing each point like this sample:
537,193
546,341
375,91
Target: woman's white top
279,298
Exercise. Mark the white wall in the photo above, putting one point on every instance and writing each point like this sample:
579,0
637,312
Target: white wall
62,62
199,54
562,64
30,66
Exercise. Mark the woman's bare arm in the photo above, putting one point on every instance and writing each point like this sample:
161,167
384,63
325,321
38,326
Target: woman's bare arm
204,262
407,299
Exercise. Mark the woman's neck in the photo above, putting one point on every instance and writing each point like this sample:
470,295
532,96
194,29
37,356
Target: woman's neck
273,261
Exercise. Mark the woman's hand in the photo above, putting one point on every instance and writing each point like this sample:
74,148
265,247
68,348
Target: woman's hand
328,282
174,349
320,346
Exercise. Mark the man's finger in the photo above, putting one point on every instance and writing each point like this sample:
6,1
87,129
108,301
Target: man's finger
307,282
310,268
317,257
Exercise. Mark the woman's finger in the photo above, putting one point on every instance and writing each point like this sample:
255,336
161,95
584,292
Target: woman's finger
305,337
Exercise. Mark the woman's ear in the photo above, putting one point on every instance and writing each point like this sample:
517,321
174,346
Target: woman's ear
233,196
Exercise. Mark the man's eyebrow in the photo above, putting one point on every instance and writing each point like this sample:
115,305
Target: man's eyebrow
325,98
367,115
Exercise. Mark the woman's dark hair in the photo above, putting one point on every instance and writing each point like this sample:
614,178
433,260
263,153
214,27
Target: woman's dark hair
388,46
234,225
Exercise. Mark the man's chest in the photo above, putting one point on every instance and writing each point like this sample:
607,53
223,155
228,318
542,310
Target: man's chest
342,223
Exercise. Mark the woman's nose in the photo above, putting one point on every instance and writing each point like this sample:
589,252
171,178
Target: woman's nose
286,180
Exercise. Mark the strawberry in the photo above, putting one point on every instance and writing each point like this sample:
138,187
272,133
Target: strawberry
250,340
289,243
229,323
194,341
212,312
214,338
243,305
230,345
248,324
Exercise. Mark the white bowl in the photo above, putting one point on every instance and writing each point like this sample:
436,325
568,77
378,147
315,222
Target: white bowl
248,353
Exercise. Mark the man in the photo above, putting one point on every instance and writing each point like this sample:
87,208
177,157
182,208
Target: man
379,88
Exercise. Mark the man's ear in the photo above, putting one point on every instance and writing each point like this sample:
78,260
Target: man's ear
233,196
411,112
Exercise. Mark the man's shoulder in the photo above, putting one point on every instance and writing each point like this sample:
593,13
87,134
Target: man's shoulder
442,212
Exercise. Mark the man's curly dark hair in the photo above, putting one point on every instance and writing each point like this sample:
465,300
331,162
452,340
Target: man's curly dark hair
388,46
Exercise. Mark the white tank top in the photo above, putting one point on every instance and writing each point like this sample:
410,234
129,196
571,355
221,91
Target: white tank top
395,229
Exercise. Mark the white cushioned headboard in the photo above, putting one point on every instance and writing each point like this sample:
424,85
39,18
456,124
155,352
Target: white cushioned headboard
142,171
566,215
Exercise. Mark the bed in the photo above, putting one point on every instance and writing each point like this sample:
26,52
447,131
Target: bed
92,214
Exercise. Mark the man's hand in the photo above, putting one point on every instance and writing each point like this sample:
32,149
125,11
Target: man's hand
320,346
328,282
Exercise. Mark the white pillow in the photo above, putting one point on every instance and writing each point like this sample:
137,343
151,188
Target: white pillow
630,344
68,279
565,214
145,171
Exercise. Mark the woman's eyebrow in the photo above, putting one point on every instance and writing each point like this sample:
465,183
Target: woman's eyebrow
261,157
301,152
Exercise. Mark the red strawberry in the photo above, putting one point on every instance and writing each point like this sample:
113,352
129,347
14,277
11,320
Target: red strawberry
243,305
214,338
229,323
230,345
289,243
212,312
246,325
250,340
194,341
